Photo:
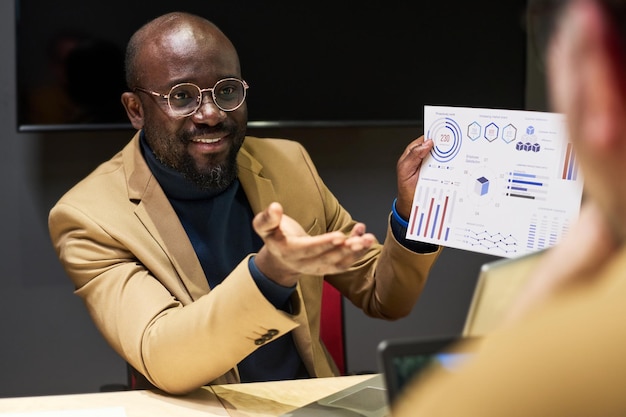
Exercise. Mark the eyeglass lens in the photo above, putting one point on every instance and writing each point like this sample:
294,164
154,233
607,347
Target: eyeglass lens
227,94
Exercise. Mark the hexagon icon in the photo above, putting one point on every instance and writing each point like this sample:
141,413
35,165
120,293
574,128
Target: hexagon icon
509,133
473,131
491,132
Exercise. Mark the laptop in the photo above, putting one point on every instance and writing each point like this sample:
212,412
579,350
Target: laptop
367,398
402,360
399,360
499,283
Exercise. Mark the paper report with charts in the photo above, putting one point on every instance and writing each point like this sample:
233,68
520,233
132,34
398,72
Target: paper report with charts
500,182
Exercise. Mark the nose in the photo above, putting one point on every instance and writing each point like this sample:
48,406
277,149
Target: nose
208,112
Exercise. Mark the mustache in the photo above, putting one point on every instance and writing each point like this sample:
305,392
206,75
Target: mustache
223,130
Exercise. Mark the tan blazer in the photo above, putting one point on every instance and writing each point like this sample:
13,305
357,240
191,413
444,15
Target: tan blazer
132,263
566,359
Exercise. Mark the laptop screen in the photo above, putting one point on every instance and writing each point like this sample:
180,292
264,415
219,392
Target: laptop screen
499,283
401,360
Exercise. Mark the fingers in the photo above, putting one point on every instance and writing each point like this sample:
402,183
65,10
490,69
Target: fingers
329,253
268,221
289,250
411,160
358,230
417,150
338,258
358,239
423,149
287,247
347,250
304,249
361,243
408,169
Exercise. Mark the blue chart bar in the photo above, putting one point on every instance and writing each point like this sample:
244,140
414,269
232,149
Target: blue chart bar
526,186
539,184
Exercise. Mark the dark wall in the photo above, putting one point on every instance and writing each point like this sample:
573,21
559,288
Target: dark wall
338,61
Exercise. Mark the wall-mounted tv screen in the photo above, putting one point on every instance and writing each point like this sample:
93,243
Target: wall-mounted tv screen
306,62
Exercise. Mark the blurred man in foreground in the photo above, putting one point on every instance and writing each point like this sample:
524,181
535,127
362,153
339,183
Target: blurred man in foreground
562,354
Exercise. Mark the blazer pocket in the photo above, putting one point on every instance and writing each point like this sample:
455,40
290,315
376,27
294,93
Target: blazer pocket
315,228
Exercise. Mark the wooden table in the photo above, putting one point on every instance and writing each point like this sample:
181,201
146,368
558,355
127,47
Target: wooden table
259,399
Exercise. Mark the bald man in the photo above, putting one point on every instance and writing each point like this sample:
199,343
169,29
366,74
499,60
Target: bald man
201,252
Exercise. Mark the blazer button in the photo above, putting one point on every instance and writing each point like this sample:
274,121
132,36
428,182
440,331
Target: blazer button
266,337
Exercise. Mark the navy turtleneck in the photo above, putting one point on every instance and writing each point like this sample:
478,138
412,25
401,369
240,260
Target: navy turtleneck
219,226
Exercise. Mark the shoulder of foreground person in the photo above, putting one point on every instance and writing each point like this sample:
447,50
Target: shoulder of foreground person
565,359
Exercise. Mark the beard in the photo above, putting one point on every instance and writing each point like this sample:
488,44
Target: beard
171,151
217,177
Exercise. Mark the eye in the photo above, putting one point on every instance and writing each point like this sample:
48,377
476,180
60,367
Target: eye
183,95
180,95
228,92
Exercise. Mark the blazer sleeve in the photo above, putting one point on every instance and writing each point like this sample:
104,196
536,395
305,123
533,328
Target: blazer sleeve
137,301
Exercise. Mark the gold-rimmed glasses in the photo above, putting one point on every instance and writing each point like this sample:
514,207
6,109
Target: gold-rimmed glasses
185,99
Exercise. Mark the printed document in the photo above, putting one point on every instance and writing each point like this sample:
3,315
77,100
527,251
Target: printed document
500,182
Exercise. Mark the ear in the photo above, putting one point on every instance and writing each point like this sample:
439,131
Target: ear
604,81
590,53
134,109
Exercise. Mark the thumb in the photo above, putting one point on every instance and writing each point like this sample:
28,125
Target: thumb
267,221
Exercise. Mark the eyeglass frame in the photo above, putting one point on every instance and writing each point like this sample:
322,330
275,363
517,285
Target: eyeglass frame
202,91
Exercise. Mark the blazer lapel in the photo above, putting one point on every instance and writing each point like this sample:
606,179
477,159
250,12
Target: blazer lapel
259,190
153,206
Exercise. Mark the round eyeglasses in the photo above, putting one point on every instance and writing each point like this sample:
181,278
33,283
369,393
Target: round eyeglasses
186,98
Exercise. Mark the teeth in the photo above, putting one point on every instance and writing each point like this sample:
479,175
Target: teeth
202,140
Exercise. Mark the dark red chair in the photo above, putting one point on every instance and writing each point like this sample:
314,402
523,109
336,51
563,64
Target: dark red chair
331,326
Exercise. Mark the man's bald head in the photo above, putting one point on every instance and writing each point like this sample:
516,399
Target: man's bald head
172,30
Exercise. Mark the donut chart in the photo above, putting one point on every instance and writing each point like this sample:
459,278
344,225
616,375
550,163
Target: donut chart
447,138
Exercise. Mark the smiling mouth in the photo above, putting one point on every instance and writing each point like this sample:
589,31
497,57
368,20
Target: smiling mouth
205,140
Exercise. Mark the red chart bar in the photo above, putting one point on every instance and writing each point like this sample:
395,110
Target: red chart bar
567,161
415,210
443,217
430,211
